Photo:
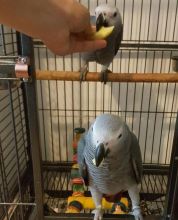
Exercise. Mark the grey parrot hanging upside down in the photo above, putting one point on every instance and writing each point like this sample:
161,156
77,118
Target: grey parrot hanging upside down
106,16
110,162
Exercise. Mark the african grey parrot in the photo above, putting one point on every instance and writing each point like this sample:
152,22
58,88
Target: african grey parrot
105,16
110,161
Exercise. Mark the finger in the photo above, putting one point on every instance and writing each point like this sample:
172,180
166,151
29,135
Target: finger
82,46
87,35
89,32
93,28
80,21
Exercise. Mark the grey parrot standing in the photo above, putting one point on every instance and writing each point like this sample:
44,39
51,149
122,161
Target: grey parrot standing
105,16
110,161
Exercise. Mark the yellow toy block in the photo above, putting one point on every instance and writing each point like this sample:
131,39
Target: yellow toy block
87,203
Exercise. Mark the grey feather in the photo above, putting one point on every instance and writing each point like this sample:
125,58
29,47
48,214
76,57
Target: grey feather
121,168
81,161
127,164
136,159
119,38
105,56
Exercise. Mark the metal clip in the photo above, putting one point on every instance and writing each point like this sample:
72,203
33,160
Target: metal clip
21,67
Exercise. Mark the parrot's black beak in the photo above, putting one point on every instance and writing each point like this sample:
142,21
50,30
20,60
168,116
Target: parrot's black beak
100,22
100,154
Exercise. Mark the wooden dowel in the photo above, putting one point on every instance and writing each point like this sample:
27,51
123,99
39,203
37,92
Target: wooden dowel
112,77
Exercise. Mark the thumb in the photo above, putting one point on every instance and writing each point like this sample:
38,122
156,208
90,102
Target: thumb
80,19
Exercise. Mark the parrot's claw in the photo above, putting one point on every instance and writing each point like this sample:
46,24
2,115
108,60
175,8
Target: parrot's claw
98,214
104,75
137,213
83,72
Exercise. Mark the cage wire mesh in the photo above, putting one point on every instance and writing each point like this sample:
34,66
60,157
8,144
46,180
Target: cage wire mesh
15,181
150,39
8,41
16,189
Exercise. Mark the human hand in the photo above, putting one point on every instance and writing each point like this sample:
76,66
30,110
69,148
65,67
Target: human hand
72,31
63,25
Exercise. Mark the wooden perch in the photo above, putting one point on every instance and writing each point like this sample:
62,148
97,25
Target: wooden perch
112,77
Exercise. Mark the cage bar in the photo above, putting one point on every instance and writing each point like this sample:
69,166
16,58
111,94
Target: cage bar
142,89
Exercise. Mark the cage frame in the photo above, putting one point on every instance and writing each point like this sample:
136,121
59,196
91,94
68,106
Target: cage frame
26,49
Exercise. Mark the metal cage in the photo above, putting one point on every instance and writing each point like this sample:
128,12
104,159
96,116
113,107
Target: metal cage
38,113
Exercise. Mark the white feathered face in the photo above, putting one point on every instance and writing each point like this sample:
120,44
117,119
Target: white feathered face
113,141
110,137
111,15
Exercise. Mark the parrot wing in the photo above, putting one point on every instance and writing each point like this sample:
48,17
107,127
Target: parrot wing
136,159
81,161
118,39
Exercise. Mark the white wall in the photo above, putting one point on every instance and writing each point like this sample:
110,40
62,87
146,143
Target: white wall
154,105
68,104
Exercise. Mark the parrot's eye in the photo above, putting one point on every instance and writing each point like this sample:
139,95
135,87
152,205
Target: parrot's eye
119,136
115,14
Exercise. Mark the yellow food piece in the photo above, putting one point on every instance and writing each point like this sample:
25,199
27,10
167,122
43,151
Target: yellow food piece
103,33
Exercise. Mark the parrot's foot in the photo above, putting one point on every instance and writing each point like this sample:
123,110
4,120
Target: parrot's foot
83,72
98,213
137,213
104,75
